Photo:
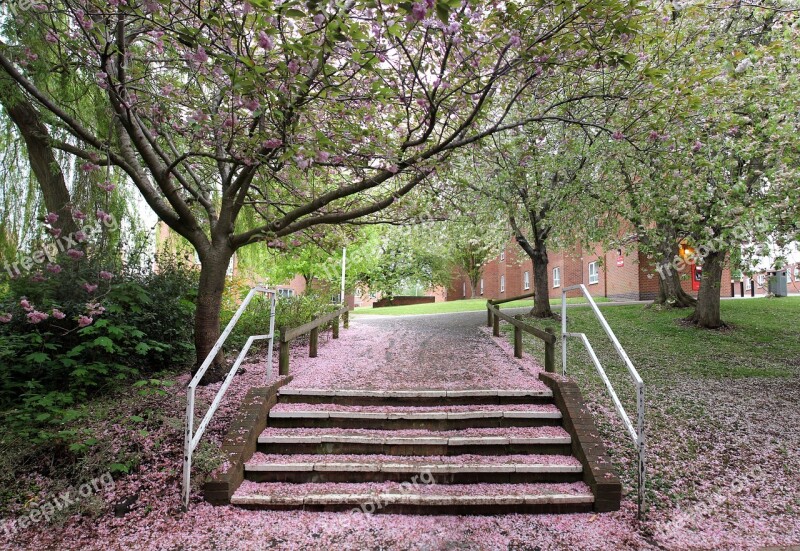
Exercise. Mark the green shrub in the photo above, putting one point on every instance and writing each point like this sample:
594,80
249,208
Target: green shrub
289,312
83,330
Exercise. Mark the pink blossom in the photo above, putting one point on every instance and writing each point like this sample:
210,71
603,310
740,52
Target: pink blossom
75,254
418,11
103,216
272,143
107,186
200,56
51,36
84,321
6,318
319,19
58,314
106,275
89,167
515,40
94,308
265,41
36,317
27,306
51,218
293,67
323,156
252,104
78,215
618,136
38,277
697,146
89,287
55,232
54,268
80,237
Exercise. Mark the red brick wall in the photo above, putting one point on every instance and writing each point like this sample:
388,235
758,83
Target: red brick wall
636,279
622,282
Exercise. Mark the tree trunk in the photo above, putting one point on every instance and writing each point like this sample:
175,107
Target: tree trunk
707,312
537,252
41,157
670,291
541,283
213,272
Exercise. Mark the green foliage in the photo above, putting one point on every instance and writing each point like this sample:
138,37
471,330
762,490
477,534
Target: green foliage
289,312
48,369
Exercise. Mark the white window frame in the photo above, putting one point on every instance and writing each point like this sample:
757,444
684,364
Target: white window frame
464,289
557,277
526,281
502,284
594,278
503,255
762,279
481,286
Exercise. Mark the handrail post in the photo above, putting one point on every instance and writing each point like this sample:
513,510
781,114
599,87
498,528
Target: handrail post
550,353
273,303
335,327
517,342
283,354
563,332
347,319
488,315
313,342
496,326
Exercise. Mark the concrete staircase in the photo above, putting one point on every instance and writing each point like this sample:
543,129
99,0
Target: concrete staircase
417,451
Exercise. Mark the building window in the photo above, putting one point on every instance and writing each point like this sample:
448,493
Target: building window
556,277
502,284
481,286
285,292
503,255
594,273
526,281
761,279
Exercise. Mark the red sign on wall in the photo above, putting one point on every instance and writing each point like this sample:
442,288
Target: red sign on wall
620,261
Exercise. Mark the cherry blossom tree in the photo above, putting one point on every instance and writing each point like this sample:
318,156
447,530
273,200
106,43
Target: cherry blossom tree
245,123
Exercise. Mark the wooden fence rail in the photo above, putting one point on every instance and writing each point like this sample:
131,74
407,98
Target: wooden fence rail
287,335
494,315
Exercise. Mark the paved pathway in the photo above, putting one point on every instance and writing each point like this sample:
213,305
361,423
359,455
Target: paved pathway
449,351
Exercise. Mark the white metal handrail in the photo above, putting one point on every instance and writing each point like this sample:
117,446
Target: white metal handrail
193,437
636,432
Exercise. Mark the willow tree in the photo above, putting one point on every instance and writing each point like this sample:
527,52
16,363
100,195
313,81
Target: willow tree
243,123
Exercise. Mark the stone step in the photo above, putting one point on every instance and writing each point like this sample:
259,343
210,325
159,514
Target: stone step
430,418
415,397
481,441
460,469
416,495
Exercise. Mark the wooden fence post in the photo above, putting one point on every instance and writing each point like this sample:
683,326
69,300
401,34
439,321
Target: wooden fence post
335,327
347,319
496,326
517,342
313,342
488,316
550,353
283,357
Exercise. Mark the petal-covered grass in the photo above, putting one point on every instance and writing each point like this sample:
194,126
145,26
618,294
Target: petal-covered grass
722,422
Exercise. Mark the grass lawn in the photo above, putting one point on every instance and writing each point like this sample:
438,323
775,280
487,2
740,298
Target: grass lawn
722,423
467,305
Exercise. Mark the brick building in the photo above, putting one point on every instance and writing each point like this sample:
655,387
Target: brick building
615,274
